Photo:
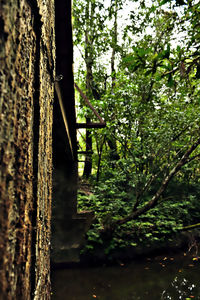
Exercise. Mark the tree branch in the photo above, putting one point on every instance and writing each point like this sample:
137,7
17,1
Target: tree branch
164,184
148,183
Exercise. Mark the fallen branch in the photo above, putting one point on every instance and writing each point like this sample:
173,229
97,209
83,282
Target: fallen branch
185,228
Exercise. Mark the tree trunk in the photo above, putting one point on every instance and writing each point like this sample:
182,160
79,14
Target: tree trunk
89,77
88,156
114,44
111,141
99,151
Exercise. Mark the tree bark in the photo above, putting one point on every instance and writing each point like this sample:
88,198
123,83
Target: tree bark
89,62
112,142
88,156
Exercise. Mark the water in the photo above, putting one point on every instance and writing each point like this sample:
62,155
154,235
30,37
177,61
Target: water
163,277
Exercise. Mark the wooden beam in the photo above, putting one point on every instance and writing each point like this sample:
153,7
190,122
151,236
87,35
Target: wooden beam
85,152
59,95
90,125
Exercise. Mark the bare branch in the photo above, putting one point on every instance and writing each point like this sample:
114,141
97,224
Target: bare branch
148,183
183,161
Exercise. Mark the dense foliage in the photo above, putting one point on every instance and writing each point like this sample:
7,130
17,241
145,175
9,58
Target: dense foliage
142,73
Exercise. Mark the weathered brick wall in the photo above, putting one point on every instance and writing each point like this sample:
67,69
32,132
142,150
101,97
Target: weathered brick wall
27,58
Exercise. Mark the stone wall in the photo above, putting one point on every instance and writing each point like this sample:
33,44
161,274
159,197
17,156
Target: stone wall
27,58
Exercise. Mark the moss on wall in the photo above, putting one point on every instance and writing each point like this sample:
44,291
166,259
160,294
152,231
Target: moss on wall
27,57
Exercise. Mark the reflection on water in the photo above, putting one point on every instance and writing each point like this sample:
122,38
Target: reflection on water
186,285
174,277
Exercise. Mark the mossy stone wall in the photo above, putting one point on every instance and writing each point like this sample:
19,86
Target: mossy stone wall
27,57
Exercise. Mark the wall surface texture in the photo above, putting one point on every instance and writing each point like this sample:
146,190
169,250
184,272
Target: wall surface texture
27,59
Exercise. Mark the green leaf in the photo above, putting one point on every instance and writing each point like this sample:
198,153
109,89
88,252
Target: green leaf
170,82
164,2
158,77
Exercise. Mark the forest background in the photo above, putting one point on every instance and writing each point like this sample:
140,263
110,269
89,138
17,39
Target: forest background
138,63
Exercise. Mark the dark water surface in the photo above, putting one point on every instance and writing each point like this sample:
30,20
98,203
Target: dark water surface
163,277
